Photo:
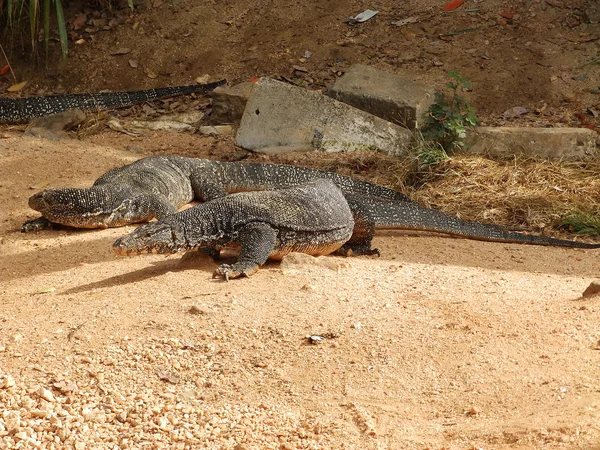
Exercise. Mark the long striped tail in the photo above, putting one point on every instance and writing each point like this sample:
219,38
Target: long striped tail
390,215
24,109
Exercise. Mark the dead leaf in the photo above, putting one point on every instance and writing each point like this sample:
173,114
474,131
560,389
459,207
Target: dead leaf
149,73
79,21
120,51
133,63
40,185
300,68
80,41
5,69
17,87
402,22
452,5
168,377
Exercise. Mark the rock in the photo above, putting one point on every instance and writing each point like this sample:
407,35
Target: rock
45,394
593,13
6,382
177,122
569,143
216,130
297,262
392,97
281,118
228,103
592,289
53,127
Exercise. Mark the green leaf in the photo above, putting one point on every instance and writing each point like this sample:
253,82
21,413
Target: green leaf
62,28
33,11
46,14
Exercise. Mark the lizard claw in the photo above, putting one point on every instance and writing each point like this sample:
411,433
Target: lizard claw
222,272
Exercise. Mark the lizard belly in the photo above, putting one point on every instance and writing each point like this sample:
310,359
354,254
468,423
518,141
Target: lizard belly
315,243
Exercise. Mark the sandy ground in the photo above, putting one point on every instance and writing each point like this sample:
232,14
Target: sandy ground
438,344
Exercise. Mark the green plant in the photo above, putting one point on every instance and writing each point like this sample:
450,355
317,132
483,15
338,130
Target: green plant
580,222
429,153
37,12
447,119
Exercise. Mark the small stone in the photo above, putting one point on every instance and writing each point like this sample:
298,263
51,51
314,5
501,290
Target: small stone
7,382
12,421
195,311
45,394
592,289
40,413
216,130
309,288
22,436
473,411
316,339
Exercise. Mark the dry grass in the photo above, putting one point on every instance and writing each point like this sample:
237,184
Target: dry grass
520,192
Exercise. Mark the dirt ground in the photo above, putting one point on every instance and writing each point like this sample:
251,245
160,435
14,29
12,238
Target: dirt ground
440,343
537,54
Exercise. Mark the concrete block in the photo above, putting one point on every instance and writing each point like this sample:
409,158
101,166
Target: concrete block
569,143
280,117
392,97
228,103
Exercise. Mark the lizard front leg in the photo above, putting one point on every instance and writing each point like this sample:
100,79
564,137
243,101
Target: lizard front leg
258,241
41,223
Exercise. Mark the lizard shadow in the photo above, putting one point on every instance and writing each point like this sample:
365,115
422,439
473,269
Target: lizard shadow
438,249
64,252
188,261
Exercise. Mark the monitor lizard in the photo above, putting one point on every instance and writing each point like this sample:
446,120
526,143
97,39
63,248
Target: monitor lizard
314,218
157,186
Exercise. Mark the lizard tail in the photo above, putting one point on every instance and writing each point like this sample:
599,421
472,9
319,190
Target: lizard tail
390,215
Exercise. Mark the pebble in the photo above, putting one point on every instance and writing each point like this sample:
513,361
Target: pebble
45,394
7,382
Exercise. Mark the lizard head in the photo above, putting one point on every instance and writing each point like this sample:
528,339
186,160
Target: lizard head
92,207
155,237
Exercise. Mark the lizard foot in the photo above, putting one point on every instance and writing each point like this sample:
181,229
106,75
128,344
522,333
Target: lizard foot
358,250
227,272
41,223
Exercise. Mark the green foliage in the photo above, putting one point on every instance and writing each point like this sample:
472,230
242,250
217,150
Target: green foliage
38,13
447,119
580,222
428,153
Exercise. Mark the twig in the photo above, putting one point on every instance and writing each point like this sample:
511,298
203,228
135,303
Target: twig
9,64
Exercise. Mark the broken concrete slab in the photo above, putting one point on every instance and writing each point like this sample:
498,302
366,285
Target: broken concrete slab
568,143
395,98
280,118
228,103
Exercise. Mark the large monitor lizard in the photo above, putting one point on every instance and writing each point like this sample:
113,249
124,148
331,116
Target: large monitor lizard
15,110
314,218
157,186
311,218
